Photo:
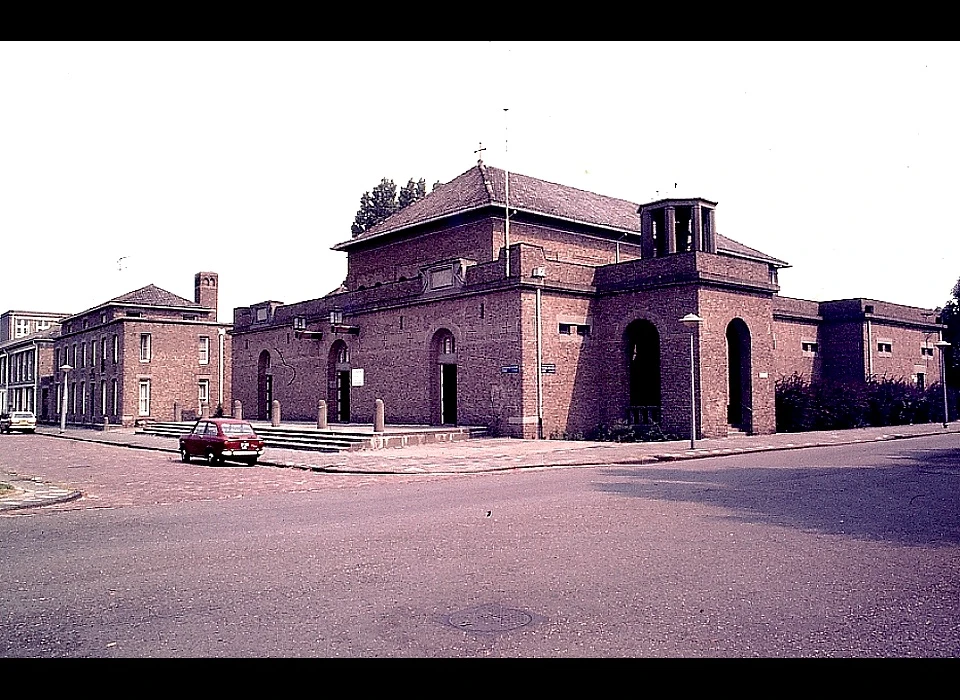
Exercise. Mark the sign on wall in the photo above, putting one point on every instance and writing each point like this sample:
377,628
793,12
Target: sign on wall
356,377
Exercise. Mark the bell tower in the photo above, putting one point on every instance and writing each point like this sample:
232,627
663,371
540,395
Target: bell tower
670,226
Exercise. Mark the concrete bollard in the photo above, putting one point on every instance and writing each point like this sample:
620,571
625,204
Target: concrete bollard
275,413
322,415
204,409
177,413
106,424
237,409
378,416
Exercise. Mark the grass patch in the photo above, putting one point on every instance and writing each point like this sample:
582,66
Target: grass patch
5,488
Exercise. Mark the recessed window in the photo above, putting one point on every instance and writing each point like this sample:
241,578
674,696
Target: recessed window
884,347
134,314
580,329
204,349
926,350
439,279
809,347
144,398
146,347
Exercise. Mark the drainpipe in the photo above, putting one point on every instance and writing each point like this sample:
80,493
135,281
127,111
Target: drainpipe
220,333
869,350
539,371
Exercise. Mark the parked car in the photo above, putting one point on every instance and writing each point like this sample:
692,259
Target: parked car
18,420
217,439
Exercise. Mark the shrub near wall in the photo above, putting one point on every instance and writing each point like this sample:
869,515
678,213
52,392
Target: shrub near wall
828,405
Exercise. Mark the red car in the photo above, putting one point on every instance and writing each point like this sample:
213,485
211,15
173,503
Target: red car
216,439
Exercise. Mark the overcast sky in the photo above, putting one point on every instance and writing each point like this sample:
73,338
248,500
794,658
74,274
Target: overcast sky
249,159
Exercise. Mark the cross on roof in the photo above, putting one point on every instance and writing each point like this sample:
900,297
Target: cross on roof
479,153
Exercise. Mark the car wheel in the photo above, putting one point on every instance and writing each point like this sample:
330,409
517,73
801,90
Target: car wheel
212,459
252,462
184,455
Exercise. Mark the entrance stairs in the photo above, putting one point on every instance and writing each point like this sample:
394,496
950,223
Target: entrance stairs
733,432
342,439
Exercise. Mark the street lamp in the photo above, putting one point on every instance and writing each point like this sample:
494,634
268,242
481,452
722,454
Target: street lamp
943,345
692,321
63,407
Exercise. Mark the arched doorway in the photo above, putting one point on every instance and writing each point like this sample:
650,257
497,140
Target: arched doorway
338,381
643,370
443,351
739,376
264,387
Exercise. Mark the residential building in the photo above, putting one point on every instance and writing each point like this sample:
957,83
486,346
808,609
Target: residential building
145,356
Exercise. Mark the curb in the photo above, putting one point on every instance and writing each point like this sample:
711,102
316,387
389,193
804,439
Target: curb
26,496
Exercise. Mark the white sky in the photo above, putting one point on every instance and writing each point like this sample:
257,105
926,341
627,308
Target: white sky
249,159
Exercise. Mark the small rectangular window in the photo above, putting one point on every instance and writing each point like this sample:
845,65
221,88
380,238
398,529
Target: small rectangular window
204,350
146,350
885,347
926,350
116,348
203,391
810,347
580,329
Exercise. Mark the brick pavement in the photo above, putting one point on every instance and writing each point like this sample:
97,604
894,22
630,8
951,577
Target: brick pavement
473,456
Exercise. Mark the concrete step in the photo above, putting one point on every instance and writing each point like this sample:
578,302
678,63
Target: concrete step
305,438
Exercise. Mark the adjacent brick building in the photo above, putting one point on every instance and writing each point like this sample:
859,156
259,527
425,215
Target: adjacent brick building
144,356
563,315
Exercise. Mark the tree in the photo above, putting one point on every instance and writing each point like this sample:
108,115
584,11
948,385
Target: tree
950,316
383,201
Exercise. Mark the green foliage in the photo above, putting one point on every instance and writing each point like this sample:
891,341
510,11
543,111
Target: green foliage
384,201
624,431
827,405
950,316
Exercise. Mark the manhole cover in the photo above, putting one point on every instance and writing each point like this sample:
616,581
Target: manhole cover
489,618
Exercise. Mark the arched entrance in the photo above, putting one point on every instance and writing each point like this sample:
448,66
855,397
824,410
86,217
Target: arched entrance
739,376
338,382
264,387
443,351
643,369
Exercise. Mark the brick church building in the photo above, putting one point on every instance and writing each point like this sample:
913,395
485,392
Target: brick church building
542,310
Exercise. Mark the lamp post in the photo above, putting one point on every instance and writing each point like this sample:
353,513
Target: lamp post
943,345
692,321
63,404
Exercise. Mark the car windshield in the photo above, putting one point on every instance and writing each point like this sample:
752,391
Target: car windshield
23,415
237,429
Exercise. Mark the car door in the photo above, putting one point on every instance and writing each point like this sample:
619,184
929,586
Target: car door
194,441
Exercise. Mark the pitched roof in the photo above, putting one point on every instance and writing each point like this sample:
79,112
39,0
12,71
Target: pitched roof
152,295
739,250
483,185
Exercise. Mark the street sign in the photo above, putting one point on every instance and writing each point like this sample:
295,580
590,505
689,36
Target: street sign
510,369
548,368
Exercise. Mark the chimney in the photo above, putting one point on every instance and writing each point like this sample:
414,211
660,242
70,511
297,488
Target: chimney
205,290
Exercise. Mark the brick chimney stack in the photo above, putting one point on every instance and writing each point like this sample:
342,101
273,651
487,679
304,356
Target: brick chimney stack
205,290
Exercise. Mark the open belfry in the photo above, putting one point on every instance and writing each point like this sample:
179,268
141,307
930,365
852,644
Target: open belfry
541,310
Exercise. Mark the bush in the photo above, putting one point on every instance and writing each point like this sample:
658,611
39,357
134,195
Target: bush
828,405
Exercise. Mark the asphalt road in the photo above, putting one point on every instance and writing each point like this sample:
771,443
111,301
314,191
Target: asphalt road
829,552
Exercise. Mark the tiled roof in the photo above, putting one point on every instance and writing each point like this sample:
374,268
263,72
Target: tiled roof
731,247
484,185
152,295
